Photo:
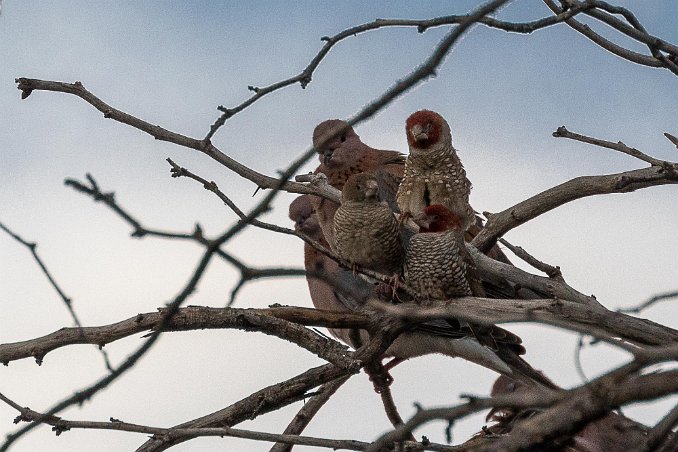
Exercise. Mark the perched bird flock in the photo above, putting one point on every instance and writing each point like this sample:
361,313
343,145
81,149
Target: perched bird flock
381,192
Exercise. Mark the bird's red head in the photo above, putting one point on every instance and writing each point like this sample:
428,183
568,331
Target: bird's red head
438,218
424,128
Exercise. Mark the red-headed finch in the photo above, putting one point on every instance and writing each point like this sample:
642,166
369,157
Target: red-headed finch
433,172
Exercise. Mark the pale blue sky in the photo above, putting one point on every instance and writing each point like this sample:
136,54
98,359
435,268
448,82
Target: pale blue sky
172,63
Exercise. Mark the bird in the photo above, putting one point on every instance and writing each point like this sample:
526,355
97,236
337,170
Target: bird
439,267
433,171
437,264
345,155
610,433
366,233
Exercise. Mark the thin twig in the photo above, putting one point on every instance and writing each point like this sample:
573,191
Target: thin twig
308,411
671,138
577,359
305,76
61,425
606,44
550,270
562,132
649,302
68,302
247,273
632,29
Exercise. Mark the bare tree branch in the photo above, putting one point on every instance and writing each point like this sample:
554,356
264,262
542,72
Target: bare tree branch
568,410
68,302
660,432
281,394
562,132
275,321
308,411
660,173
247,273
550,270
61,425
650,301
608,45
606,325
305,76
570,309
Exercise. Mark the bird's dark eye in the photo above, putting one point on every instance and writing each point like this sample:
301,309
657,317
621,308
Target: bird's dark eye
343,138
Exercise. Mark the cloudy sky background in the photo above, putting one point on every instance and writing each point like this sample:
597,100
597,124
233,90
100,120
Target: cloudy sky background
171,64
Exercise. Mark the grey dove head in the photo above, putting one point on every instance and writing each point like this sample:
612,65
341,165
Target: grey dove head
361,187
330,151
302,213
426,129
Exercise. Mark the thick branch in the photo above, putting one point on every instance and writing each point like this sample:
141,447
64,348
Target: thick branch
577,188
29,85
567,412
281,394
275,321
586,404
601,323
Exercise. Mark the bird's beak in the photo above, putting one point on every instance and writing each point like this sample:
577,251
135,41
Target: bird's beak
422,220
372,188
327,155
419,133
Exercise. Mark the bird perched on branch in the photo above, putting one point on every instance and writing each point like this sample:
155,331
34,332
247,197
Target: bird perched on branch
366,233
439,267
346,155
610,433
437,264
433,172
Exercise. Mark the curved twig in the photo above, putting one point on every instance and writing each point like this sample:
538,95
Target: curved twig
68,302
